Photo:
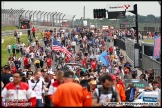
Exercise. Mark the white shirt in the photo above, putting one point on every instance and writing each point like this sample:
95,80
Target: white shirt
114,36
34,43
38,88
9,46
31,55
36,38
73,43
76,36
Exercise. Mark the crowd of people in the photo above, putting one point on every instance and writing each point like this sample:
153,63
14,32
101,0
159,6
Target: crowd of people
39,76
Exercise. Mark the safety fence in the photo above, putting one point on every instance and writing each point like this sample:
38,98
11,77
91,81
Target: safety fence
146,61
13,17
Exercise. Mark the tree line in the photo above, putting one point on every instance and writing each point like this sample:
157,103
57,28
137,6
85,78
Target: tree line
143,21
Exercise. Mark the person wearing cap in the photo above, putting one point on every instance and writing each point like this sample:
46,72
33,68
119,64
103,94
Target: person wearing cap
119,88
7,77
74,92
92,86
54,85
77,80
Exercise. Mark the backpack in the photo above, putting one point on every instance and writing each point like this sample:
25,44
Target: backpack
87,99
113,99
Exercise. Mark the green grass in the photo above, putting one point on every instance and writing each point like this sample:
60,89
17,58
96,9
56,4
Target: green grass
148,40
11,40
8,28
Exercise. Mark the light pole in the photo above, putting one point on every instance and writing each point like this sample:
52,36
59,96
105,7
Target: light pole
73,20
60,18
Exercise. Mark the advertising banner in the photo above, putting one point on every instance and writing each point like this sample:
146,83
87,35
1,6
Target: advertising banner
120,7
157,47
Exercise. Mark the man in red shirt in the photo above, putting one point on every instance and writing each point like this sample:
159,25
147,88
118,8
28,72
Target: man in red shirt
33,31
111,50
49,62
93,64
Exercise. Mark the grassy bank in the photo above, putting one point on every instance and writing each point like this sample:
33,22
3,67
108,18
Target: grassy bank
11,40
8,28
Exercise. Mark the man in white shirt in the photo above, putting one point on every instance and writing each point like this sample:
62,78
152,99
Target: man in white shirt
73,44
37,84
76,39
9,48
32,55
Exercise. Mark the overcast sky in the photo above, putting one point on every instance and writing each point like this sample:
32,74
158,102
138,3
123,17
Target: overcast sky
76,8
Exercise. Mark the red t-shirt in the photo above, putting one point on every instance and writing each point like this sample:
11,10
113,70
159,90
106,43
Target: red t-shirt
84,62
111,49
33,30
49,62
93,64
13,70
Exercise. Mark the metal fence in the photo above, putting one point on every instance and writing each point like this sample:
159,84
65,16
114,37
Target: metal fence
148,62
10,17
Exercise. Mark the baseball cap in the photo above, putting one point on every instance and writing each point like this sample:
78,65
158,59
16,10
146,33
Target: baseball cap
113,77
7,67
93,82
76,79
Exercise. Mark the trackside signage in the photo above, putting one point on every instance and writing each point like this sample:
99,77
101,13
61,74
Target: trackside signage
120,7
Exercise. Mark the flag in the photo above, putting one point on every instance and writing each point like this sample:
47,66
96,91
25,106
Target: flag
157,47
57,46
103,57
65,51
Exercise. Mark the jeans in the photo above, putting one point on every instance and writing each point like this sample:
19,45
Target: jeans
39,103
9,51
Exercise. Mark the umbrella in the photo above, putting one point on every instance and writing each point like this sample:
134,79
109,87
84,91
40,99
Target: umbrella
138,83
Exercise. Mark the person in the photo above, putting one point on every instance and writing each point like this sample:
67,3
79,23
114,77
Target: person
119,88
19,91
143,76
9,48
106,91
70,89
7,77
85,80
38,86
131,92
33,31
120,82
27,62
92,86
53,86
13,48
